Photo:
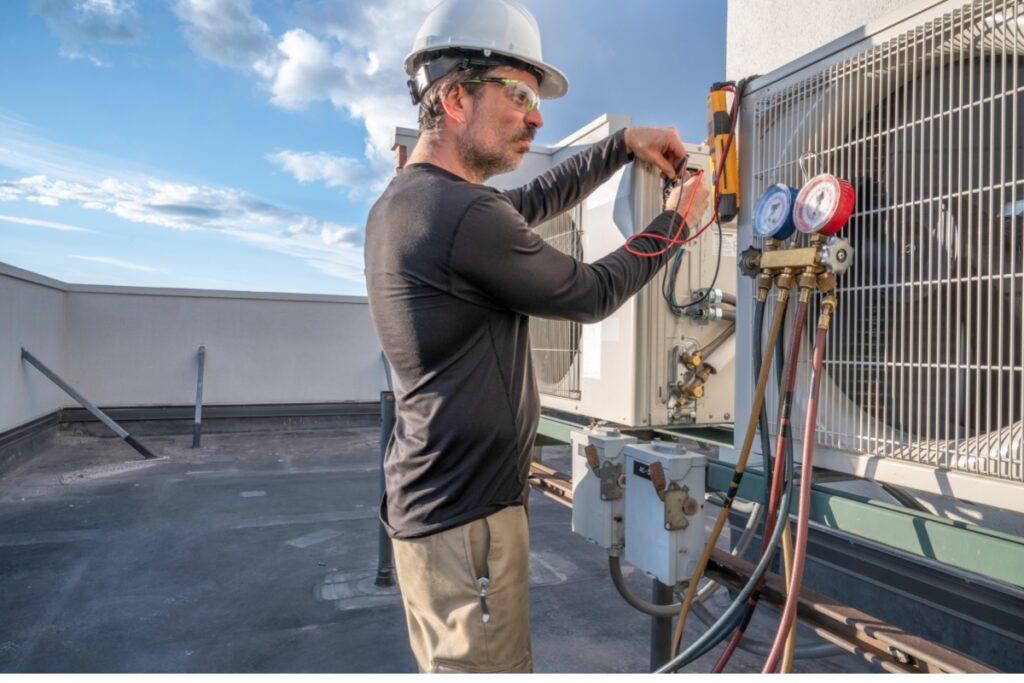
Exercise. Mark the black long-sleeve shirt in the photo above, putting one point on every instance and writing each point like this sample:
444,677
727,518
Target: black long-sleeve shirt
453,273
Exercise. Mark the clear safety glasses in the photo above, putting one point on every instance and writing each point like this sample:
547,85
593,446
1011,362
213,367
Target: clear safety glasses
521,94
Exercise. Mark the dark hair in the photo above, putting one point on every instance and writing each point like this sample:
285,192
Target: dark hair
431,108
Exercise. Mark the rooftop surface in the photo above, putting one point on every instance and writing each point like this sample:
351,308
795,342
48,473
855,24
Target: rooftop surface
257,553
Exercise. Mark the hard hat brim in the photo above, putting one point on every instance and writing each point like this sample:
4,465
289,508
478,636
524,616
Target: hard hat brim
553,85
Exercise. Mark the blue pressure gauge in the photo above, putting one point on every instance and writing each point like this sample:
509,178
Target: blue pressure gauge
773,216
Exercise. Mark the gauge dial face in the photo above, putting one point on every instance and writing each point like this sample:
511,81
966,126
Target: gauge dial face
773,212
823,205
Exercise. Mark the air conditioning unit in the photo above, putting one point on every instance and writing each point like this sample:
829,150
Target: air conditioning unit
924,374
627,368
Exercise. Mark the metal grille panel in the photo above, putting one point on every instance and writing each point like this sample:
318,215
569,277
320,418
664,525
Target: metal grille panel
926,354
556,343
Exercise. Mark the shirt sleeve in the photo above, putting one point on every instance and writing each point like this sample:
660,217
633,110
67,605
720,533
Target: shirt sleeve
495,252
569,183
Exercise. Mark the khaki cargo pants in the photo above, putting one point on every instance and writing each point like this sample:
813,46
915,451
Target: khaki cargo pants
452,628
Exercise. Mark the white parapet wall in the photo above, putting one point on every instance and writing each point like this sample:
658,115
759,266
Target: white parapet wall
131,346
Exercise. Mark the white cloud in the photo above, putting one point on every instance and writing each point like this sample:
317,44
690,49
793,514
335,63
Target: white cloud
225,31
82,22
117,263
348,54
333,171
63,227
178,205
55,175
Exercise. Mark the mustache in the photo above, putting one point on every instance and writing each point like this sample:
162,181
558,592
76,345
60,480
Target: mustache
527,133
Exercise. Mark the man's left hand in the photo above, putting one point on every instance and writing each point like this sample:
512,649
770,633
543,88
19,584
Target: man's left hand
659,146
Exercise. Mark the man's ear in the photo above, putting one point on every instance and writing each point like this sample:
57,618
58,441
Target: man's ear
455,104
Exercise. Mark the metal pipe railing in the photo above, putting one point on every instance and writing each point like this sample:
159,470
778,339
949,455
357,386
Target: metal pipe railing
87,404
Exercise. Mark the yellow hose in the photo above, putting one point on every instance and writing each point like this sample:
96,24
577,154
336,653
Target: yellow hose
748,442
787,554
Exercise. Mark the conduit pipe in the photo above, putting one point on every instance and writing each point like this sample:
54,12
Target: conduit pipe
635,601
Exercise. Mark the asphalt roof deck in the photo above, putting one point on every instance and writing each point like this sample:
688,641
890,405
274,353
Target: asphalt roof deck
257,553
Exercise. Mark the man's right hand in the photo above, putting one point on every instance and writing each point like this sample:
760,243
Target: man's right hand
679,199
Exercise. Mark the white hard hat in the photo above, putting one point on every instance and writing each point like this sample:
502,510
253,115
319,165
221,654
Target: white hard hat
479,32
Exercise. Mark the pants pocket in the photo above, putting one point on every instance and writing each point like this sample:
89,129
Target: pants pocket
478,542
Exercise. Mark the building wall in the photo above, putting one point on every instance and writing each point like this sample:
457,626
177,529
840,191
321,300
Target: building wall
31,316
763,35
127,346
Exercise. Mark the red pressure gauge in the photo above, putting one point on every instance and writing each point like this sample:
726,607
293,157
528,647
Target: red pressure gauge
823,205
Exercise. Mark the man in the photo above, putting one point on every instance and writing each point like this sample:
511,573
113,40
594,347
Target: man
453,272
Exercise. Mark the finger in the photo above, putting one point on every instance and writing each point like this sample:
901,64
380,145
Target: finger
666,167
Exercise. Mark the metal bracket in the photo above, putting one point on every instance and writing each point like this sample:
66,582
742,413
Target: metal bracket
678,504
675,506
610,475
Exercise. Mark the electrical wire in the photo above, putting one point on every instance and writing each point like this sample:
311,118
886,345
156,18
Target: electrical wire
669,290
670,241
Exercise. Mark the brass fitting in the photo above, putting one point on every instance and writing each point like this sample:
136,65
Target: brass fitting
808,280
828,307
784,280
690,360
826,282
695,387
764,285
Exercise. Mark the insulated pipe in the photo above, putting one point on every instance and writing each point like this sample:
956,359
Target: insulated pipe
720,339
724,354
762,382
793,593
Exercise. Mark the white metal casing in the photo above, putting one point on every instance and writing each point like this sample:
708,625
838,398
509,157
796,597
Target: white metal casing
619,370
596,517
923,111
669,555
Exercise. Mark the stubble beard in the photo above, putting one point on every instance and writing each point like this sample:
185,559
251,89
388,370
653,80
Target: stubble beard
485,162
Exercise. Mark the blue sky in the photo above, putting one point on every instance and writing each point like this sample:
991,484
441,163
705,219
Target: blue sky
235,144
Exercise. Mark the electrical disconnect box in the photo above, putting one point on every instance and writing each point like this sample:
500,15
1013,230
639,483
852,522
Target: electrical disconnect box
664,510
598,485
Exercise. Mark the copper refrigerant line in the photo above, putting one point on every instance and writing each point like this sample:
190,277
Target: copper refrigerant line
811,269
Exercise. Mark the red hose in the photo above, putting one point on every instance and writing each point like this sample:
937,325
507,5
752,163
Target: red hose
782,429
800,553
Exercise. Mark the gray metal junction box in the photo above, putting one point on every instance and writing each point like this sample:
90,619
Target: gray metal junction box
598,494
664,510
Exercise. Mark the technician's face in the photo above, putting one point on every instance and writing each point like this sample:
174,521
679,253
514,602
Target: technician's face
501,124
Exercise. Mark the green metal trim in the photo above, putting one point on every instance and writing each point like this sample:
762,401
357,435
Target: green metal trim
557,429
975,549
716,436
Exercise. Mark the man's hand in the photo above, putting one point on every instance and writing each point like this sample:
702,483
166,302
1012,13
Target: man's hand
659,146
691,187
